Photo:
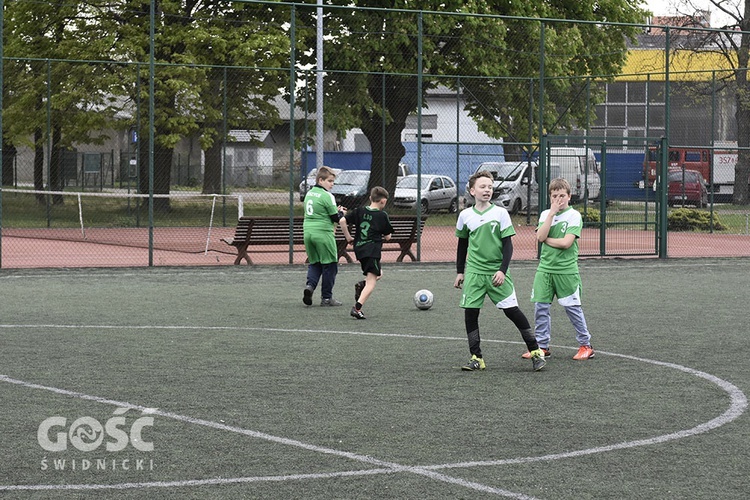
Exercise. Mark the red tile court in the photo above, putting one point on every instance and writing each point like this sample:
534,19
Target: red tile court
128,247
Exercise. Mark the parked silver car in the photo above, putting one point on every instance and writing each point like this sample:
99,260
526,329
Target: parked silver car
350,188
437,192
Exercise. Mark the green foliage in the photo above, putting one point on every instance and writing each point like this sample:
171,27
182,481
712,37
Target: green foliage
591,216
690,219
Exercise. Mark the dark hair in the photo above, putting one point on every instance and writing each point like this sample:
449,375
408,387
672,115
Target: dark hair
378,193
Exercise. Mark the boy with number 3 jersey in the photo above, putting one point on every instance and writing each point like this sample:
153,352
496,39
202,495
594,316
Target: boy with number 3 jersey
557,274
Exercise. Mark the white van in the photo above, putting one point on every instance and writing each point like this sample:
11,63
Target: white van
515,186
579,167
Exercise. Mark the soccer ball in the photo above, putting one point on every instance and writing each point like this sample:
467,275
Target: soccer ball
423,299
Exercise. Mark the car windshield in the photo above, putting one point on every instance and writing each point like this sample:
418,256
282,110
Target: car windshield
509,172
410,182
676,176
352,178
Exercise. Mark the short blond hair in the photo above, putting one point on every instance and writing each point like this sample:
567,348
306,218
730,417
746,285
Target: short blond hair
559,183
324,173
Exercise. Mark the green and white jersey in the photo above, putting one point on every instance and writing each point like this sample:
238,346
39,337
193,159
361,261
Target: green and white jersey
557,260
319,206
485,230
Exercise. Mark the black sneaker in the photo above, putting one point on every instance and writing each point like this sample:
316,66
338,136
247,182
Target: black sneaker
474,364
330,302
358,287
307,295
357,313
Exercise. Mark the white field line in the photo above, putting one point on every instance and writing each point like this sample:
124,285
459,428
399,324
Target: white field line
737,407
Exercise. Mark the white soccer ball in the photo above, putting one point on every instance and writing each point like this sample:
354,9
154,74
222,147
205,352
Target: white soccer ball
423,299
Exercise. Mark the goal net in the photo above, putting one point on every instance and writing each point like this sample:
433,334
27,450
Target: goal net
182,222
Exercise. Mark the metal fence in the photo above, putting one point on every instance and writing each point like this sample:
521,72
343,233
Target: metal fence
166,126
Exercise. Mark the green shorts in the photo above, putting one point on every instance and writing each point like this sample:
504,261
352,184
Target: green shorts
476,286
321,247
566,287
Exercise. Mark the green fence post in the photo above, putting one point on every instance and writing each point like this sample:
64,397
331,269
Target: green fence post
603,202
661,198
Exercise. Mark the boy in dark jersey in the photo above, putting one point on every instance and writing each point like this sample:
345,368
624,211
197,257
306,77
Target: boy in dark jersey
372,228
484,252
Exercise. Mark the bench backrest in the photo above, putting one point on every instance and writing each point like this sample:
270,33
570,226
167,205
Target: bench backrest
275,230
405,227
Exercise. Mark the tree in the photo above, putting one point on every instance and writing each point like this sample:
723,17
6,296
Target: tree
371,63
57,102
233,41
733,43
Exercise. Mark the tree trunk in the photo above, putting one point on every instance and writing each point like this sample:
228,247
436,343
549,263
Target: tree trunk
162,173
212,173
401,100
39,165
55,168
9,157
741,194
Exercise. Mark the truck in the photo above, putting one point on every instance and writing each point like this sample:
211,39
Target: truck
721,160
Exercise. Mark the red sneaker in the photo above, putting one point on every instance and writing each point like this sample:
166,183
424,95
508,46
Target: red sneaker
584,352
527,355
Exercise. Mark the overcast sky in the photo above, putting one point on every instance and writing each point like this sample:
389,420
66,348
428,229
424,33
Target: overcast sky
667,7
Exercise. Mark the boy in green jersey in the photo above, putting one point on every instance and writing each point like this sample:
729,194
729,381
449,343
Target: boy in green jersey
321,217
557,274
484,253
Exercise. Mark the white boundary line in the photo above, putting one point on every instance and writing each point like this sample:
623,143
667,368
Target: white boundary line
736,408
386,467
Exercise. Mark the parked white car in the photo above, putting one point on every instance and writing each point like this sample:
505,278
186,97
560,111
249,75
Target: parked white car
436,192
515,186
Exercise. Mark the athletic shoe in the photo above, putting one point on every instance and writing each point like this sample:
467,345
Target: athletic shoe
358,287
307,295
357,313
584,352
537,359
330,302
546,352
474,363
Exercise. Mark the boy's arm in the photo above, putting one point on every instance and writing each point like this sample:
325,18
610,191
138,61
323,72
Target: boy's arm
507,250
543,231
562,243
345,229
461,251
388,232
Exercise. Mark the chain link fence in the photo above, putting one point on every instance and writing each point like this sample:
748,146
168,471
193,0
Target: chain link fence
166,127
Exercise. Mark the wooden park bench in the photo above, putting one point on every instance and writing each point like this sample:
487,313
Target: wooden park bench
267,231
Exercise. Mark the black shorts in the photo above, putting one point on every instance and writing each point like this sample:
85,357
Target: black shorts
370,265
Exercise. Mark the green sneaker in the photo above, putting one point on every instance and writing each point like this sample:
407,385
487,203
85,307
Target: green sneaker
537,359
474,363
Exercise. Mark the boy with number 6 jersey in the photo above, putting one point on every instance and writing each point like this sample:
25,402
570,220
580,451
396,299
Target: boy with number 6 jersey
321,217
484,253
